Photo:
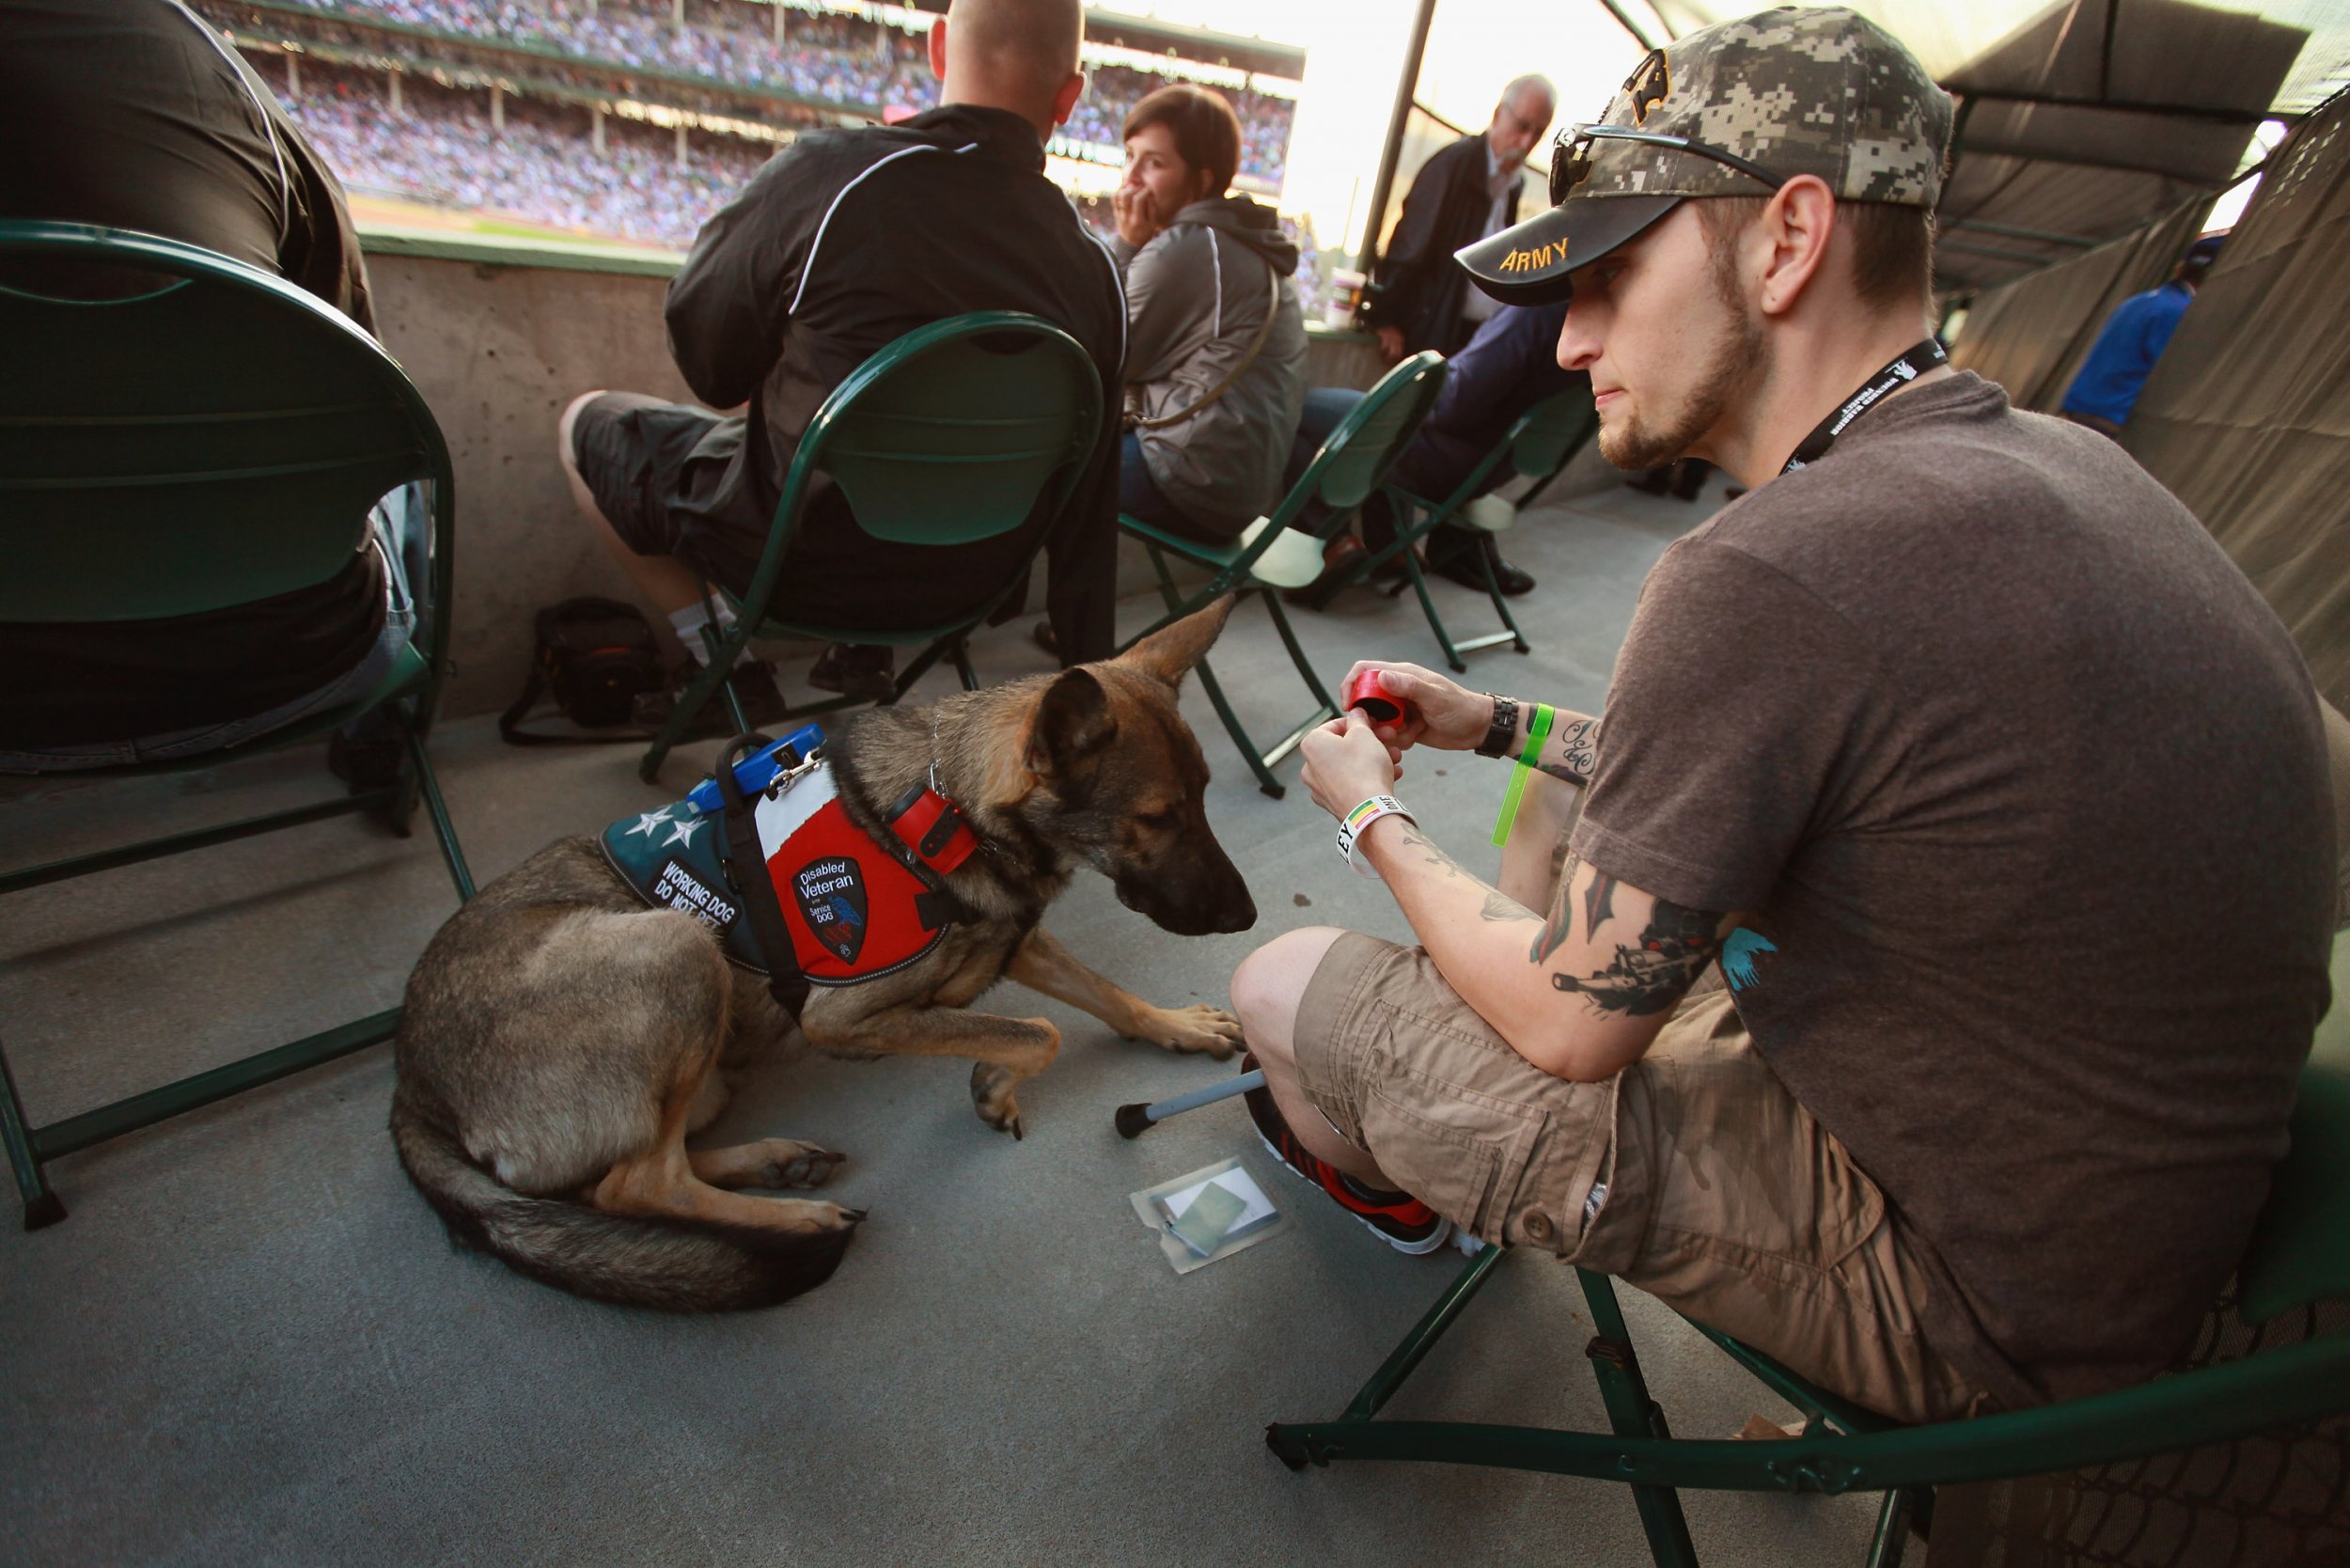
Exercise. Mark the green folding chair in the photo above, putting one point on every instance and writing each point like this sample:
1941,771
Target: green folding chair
948,436
2299,1256
216,439
1283,549
1536,447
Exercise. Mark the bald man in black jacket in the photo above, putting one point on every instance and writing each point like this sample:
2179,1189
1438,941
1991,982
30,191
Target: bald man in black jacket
844,242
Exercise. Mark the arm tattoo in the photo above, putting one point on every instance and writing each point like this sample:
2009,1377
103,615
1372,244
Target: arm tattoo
1651,977
1578,752
1413,837
1500,907
1560,925
1599,902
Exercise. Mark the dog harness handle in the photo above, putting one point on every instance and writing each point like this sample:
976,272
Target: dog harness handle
746,868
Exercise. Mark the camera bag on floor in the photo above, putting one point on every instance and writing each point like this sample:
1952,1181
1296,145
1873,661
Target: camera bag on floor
594,656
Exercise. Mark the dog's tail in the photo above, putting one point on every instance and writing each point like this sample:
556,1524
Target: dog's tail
675,1265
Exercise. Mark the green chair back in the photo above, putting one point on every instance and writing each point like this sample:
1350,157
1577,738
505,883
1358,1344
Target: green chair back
213,439
1354,459
2301,1251
953,433
1551,432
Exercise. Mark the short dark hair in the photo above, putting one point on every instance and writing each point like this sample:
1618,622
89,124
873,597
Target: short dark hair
1206,131
1892,245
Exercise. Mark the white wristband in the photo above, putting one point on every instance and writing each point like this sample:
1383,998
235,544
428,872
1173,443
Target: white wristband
1351,829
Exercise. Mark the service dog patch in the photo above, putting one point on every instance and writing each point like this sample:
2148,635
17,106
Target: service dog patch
678,888
851,906
831,894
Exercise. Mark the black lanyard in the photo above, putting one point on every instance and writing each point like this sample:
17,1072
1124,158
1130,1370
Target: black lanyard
1901,372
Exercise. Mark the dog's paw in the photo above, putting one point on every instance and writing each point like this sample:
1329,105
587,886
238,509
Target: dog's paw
1196,1028
832,1216
992,1096
791,1163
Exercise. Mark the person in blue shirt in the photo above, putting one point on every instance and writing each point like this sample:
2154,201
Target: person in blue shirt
2108,382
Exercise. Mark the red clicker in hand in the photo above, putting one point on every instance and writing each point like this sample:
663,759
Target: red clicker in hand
1369,692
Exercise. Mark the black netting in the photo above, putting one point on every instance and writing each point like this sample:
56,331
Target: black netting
2277,1500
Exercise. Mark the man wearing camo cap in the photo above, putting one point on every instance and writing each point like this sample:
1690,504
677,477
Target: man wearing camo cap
1937,920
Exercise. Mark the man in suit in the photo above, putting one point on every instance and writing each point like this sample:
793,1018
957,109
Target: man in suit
1421,299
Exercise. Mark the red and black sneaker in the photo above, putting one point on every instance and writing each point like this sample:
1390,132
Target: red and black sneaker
1397,1218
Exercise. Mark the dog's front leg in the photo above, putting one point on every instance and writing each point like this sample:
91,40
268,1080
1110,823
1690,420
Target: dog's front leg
1041,963
1006,1052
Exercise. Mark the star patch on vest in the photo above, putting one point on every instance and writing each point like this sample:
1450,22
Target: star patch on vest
855,907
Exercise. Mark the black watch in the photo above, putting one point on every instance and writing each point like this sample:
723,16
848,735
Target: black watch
1501,733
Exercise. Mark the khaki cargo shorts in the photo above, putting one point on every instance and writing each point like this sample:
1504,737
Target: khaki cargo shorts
1692,1174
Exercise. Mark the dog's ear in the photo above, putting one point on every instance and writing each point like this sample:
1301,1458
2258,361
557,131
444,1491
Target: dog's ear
1073,723
1168,654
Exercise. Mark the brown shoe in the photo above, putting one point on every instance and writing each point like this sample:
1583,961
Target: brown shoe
1340,557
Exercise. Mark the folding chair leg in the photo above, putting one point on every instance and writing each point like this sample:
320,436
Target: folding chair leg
1435,621
961,654
1632,1414
42,1206
1256,763
1297,656
712,679
1299,1444
1893,1521
442,829
1515,638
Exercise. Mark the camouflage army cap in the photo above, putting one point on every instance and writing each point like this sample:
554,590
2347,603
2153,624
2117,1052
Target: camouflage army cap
1736,109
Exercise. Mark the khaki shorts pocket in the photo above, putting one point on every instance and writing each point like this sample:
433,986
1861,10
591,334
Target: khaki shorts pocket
1459,1152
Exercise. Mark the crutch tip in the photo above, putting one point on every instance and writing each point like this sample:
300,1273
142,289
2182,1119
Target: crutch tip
1132,1121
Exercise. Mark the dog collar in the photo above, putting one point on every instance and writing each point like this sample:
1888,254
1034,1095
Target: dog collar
933,827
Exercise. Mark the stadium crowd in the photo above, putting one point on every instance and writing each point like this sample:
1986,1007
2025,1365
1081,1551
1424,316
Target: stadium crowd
548,172
833,58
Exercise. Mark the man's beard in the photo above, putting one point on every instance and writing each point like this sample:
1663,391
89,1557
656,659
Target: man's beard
1733,366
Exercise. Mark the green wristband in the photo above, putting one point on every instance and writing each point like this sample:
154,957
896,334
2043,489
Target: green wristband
1537,731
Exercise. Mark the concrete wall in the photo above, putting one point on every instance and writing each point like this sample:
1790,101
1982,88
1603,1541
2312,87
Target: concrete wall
498,337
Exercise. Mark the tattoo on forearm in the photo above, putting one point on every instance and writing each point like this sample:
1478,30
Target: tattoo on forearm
1578,752
1560,925
1413,837
1648,978
1500,907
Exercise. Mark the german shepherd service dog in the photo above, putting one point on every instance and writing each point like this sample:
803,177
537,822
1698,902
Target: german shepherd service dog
561,1040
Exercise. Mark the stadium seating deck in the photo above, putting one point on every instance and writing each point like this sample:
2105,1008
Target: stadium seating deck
252,1339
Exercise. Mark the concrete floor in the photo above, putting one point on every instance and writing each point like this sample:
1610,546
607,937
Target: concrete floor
252,1343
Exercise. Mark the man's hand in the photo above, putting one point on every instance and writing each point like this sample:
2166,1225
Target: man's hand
1437,711
1391,342
1137,215
1347,762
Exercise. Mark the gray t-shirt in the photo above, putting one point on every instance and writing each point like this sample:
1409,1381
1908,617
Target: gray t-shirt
2025,788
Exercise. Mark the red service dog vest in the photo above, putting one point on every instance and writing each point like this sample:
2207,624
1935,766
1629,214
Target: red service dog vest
854,906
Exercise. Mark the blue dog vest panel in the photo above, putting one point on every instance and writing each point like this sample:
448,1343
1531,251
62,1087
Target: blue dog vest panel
855,910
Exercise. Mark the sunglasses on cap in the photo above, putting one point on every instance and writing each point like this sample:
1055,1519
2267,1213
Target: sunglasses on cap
1571,155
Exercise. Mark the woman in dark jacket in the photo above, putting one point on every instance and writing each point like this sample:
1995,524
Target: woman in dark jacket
1215,347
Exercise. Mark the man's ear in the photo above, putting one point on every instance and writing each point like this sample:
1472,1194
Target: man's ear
1065,101
1073,722
1168,654
938,49
1799,221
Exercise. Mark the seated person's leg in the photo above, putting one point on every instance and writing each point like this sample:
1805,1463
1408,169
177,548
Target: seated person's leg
1693,1174
1140,498
623,455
